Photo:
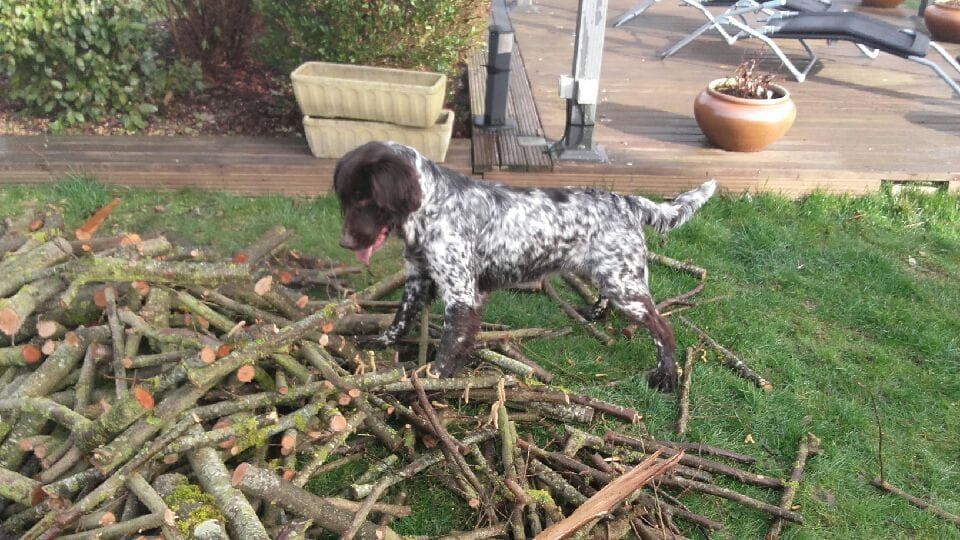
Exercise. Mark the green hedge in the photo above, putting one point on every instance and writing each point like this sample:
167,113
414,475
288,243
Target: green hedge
416,34
80,60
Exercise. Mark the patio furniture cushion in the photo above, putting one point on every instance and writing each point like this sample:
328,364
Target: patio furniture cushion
853,27
806,6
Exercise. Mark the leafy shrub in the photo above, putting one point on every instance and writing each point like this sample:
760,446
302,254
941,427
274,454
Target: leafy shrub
217,33
430,34
80,60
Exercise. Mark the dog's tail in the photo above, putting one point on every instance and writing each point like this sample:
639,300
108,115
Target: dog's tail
670,215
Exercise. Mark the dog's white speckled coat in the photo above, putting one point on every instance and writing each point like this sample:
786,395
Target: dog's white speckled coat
465,238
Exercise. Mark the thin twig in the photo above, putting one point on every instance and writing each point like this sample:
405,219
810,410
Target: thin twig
683,400
916,501
576,316
729,359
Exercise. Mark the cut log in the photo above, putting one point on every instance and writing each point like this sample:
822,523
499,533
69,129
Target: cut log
152,500
119,530
125,411
215,479
20,489
17,271
270,241
257,482
119,269
20,355
513,351
610,496
15,310
85,231
49,329
118,339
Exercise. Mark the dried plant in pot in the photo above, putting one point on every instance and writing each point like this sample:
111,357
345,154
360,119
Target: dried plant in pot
942,18
745,112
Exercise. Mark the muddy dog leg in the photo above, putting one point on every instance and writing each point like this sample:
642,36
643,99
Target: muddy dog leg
642,310
639,307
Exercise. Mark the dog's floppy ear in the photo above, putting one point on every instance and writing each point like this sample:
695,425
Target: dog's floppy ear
394,184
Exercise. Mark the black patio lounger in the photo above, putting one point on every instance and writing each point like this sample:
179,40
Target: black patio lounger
853,27
738,10
796,5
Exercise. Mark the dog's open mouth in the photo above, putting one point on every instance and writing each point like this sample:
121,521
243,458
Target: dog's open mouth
364,254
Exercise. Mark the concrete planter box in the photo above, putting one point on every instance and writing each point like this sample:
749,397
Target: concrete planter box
397,96
332,138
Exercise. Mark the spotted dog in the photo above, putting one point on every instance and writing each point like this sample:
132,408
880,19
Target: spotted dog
465,238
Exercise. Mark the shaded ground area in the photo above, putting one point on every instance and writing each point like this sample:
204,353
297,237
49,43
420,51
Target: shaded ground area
249,100
245,101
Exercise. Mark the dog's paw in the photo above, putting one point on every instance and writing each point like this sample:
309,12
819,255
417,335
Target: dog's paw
664,380
597,312
444,368
449,366
592,314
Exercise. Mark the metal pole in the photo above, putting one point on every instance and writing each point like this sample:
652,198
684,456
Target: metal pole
582,89
499,53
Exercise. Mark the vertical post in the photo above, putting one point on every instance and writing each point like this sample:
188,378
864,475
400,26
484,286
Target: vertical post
582,89
500,51
525,6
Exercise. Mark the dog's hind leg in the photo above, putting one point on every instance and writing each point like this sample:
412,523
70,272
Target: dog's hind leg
642,310
625,284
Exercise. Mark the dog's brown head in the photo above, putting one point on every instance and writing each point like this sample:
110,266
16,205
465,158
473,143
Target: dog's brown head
377,189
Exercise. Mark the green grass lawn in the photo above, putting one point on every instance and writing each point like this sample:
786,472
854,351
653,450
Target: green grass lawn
832,299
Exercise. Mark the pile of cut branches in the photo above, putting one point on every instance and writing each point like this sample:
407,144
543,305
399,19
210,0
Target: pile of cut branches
148,388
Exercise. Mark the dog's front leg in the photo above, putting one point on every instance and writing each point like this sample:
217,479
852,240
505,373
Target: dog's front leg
418,291
460,324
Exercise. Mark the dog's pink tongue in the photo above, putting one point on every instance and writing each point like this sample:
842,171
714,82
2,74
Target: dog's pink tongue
364,255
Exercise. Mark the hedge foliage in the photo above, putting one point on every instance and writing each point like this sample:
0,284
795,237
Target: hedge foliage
79,60
428,34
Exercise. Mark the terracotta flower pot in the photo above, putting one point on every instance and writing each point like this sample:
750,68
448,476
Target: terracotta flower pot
881,3
743,125
943,21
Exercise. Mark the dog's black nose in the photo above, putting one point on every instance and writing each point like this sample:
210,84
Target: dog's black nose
347,241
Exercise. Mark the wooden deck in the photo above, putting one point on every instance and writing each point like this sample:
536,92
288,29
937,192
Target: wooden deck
239,165
860,121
